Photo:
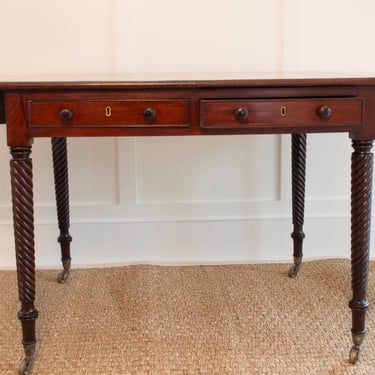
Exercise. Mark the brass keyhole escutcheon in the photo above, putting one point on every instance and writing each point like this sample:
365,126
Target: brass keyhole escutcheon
283,111
108,111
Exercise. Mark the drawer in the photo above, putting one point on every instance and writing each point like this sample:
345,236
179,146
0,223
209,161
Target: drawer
117,113
219,114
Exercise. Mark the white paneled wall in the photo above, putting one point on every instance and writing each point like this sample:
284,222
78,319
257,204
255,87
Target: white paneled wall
195,35
193,199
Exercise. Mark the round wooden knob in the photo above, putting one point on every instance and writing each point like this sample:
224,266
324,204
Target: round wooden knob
324,112
149,114
66,114
241,114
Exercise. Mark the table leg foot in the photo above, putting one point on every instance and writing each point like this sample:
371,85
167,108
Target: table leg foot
354,355
356,348
293,271
28,361
64,275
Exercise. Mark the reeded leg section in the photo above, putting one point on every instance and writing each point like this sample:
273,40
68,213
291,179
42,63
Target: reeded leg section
23,219
298,199
361,182
60,168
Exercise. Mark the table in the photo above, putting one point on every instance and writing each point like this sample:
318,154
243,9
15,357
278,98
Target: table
151,106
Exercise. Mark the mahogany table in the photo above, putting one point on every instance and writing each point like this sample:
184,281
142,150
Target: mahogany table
131,106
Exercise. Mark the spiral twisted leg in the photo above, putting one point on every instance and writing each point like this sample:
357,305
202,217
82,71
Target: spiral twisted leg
362,165
60,168
23,219
298,198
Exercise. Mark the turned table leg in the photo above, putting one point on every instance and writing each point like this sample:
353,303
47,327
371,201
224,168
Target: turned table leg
60,168
23,219
298,198
361,182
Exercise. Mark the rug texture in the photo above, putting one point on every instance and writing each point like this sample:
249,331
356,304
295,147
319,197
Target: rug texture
190,320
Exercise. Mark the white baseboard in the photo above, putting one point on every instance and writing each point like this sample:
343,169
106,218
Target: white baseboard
182,243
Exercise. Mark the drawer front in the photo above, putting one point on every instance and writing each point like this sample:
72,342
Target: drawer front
221,114
118,113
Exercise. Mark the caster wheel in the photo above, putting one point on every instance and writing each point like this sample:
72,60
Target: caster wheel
25,366
353,355
293,272
63,277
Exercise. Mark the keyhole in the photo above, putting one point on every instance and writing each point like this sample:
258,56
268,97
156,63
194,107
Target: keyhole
108,111
283,111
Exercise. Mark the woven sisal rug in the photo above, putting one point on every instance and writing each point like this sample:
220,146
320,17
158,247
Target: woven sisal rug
155,320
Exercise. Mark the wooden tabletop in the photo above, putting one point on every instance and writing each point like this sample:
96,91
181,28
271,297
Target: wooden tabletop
136,80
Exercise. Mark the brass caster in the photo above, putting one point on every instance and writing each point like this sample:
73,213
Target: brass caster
63,277
25,366
354,355
27,362
293,271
